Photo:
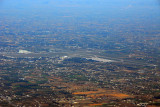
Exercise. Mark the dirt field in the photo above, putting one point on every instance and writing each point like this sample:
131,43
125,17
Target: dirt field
103,93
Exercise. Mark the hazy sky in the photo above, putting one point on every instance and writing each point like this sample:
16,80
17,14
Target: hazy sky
75,11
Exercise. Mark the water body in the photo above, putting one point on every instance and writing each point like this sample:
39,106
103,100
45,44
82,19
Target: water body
101,59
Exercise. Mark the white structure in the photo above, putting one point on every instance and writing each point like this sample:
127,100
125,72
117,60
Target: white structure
24,51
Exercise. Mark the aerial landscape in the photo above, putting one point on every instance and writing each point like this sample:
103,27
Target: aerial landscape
79,53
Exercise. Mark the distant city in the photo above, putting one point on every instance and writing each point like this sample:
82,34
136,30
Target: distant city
79,53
